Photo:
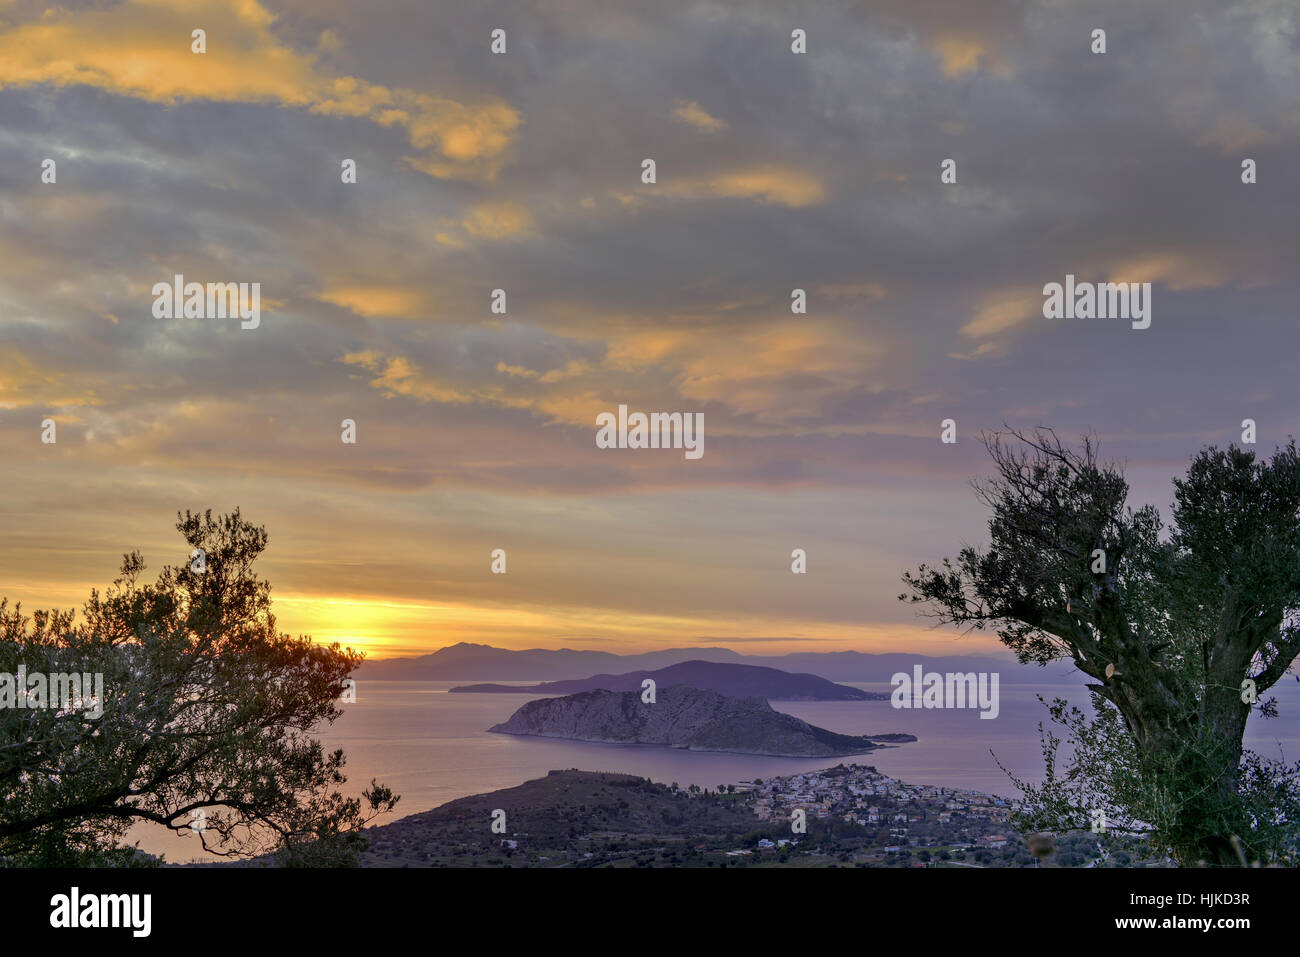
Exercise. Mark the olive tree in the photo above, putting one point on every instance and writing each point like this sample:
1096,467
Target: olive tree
1181,630
205,723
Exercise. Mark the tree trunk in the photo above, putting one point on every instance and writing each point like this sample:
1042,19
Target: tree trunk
1194,754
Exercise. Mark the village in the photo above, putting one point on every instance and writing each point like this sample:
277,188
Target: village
916,821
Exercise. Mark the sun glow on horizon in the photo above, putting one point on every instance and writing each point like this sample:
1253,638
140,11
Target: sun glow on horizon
384,628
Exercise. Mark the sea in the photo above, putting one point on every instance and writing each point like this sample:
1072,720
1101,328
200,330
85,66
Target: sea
431,746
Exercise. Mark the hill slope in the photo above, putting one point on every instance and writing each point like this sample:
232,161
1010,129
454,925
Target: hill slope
573,817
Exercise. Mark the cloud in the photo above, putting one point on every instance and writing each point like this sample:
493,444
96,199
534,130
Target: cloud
378,300
692,114
767,183
776,171
965,54
1003,310
501,220
397,375
24,385
142,48
965,38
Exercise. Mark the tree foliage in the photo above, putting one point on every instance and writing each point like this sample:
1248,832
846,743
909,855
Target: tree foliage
1171,624
208,714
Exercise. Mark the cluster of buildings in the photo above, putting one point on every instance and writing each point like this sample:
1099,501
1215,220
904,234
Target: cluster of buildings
903,814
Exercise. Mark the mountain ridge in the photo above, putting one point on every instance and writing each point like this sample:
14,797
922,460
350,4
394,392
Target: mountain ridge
466,661
727,678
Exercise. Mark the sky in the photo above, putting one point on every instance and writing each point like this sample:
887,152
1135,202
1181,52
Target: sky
522,171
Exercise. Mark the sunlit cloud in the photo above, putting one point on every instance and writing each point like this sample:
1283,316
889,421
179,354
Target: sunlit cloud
767,183
369,300
499,221
142,49
775,172
692,114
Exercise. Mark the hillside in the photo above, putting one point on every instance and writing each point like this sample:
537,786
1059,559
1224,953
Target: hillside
582,817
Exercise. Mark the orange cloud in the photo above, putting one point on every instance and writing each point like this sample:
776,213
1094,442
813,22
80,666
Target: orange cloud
570,370
396,375
782,186
499,221
1002,310
749,370
23,385
785,187
1176,270
692,114
142,49
965,54
377,300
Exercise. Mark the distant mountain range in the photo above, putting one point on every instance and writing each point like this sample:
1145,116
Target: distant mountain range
726,678
470,662
685,717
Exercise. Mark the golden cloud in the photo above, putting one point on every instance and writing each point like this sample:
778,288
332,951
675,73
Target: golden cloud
959,53
1176,270
768,183
692,114
396,375
771,184
377,300
1002,310
399,376
24,385
499,221
142,49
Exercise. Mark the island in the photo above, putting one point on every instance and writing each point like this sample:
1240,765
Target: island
694,719
726,678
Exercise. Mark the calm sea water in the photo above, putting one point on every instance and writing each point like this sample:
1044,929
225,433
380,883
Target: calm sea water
432,747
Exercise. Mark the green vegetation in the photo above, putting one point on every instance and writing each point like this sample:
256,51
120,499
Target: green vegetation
207,715
1181,629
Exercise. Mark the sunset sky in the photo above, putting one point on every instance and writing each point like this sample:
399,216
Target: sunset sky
522,171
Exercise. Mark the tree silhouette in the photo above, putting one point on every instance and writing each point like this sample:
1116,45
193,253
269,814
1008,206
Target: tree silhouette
1172,626
207,716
